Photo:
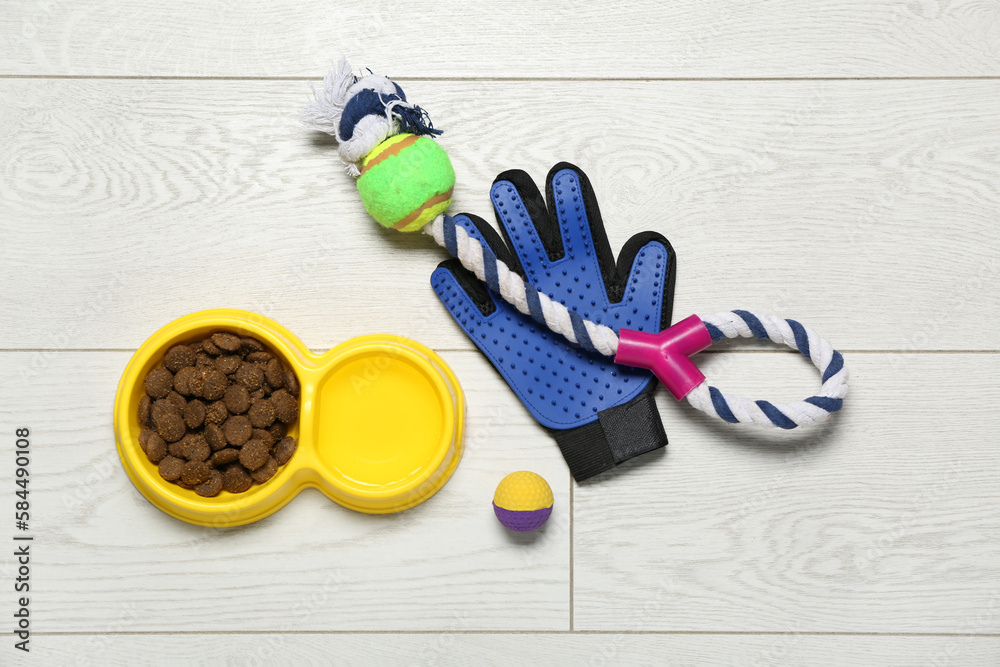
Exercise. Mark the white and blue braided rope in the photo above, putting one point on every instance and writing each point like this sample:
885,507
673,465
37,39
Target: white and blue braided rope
602,339
812,410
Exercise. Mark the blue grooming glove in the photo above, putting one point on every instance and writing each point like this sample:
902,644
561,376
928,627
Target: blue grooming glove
599,413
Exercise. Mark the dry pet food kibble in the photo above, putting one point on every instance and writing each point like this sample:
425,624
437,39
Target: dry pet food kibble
284,449
237,399
211,486
228,364
194,413
262,413
214,385
216,438
145,419
237,430
266,471
251,376
254,454
178,357
171,468
227,342
236,479
224,456
266,436
215,414
159,382
171,427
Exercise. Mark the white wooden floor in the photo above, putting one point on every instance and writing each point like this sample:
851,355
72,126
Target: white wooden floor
837,161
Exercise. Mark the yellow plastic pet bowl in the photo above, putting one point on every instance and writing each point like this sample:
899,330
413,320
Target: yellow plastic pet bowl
379,429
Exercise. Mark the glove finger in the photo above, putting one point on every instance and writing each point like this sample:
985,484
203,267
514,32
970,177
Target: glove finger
644,276
579,220
531,233
464,295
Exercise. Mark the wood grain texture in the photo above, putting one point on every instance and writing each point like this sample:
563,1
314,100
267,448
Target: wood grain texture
884,521
175,176
865,209
104,551
588,650
719,38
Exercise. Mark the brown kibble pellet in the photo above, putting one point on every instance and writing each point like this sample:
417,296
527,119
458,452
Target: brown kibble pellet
236,479
195,472
195,448
203,360
254,454
277,431
262,414
159,382
171,427
178,357
177,448
156,449
142,412
286,407
211,348
250,376
275,373
238,430
216,413
266,436
197,381
211,486
284,449
258,395
228,364
161,408
170,468
177,400
260,357
266,471
144,437
251,345
215,385
227,342
291,382
194,413
182,381
215,437
237,399
224,456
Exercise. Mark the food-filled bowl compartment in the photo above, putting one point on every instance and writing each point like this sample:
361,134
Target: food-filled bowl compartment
246,497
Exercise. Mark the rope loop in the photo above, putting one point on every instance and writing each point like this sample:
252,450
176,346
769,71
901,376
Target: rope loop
737,410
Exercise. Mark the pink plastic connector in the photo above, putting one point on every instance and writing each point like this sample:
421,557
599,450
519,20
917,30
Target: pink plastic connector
666,353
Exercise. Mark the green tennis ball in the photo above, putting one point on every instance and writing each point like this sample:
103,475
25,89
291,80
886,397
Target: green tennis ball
406,182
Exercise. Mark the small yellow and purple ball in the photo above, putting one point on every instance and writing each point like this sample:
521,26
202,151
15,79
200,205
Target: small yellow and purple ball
523,501
406,182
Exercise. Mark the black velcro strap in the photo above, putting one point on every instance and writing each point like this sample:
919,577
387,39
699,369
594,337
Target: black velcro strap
634,428
619,434
585,449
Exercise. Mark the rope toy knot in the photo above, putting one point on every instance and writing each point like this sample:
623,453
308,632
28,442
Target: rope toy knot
362,112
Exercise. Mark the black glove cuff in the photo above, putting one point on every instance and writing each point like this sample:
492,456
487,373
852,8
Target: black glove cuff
619,434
